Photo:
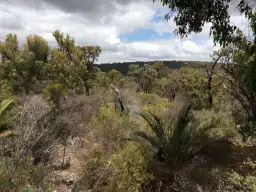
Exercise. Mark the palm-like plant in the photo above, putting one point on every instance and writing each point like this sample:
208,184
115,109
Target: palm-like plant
3,119
172,141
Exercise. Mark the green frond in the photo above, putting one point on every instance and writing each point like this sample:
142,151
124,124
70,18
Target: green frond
179,131
4,105
156,125
151,140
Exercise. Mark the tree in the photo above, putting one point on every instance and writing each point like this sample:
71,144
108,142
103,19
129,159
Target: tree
80,60
144,76
38,47
210,69
161,68
170,86
89,55
191,16
193,85
9,48
238,62
115,77
22,68
58,69
66,43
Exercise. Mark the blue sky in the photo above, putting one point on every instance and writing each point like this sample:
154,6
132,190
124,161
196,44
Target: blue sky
126,30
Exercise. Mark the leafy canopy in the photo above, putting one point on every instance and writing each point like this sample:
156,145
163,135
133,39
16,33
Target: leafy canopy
191,16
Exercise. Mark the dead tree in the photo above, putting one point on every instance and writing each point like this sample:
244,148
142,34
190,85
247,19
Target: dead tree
119,99
210,72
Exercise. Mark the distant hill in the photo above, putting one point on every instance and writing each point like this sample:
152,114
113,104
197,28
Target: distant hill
124,67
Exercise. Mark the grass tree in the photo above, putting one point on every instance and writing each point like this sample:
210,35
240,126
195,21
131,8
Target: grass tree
172,141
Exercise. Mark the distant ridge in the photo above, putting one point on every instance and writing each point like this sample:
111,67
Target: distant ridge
123,67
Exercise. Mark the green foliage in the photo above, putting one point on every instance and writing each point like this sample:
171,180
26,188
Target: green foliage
192,16
171,138
29,189
54,92
193,83
9,48
110,127
158,107
144,76
238,182
96,175
3,108
66,43
130,166
78,61
238,64
25,174
57,68
5,90
38,47
161,69
148,98
169,86
115,77
219,123
102,79
22,69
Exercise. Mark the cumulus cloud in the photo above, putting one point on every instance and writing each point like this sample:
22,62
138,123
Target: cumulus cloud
102,22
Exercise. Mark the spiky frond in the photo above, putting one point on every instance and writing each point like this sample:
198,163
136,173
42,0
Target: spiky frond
3,120
157,126
4,106
172,138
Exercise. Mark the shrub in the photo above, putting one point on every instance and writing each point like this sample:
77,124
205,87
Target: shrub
54,92
238,182
109,128
130,166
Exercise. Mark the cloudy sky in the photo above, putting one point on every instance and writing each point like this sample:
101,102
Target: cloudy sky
127,30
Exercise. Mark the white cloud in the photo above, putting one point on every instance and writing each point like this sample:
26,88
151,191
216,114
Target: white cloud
130,17
105,31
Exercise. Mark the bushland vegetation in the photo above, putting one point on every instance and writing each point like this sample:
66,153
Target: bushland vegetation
65,125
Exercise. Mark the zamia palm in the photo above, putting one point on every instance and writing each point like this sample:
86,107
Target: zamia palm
3,108
172,140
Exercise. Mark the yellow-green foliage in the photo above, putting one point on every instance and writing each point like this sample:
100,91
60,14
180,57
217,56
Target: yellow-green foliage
193,82
38,46
220,123
5,90
29,189
155,104
242,183
110,127
24,174
54,92
4,119
148,98
9,47
114,76
129,168
57,68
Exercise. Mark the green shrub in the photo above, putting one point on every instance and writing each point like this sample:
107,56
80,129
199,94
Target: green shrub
54,92
130,166
110,128
238,182
220,123
15,178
